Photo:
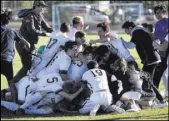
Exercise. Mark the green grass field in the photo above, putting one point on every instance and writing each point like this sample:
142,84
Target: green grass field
154,114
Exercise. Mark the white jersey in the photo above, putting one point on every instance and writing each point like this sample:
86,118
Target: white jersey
55,41
96,79
118,44
76,70
50,82
60,62
71,34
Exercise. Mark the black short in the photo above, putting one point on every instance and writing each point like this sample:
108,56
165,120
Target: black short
7,69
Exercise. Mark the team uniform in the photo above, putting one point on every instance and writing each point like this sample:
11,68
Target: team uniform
98,84
76,70
71,34
56,40
121,45
59,63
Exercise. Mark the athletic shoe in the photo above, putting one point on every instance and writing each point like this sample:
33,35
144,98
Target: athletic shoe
115,108
160,105
94,110
132,106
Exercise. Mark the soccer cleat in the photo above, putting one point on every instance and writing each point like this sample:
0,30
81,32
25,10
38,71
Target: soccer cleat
132,106
94,110
115,108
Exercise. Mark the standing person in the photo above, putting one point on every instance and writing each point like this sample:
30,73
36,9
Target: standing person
163,47
149,56
31,29
8,36
161,28
112,40
78,25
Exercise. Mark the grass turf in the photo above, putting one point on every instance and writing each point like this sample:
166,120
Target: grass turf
157,114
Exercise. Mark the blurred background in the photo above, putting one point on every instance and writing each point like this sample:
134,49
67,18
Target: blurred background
114,12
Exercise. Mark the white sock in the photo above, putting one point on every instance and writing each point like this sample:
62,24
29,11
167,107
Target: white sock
31,100
10,105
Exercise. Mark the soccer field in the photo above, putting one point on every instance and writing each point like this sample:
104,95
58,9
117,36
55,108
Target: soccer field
156,114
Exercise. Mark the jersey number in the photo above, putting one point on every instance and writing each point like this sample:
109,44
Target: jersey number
97,73
54,79
51,42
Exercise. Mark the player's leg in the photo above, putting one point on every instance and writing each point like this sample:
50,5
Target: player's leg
87,107
23,88
42,110
10,105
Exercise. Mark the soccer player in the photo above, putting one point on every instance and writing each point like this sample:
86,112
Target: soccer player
78,65
49,100
114,42
54,45
78,24
59,63
97,82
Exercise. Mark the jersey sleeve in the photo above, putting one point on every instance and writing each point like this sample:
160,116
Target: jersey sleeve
64,65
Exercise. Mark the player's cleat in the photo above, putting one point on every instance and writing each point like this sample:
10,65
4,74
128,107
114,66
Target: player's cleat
115,108
20,111
132,106
94,110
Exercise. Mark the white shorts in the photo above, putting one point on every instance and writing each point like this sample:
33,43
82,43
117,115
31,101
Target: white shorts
132,95
101,98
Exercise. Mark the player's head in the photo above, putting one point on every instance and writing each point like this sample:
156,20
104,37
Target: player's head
133,65
148,27
65,27
78,22
160,11
92,64
38,6
71,48
80,37
71,87
119,65
103,29
88,52
128,26
102,51
6,16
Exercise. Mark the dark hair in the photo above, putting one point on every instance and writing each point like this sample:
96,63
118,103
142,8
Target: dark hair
105,26
160,7
79,34
6,16
92,64
76,20
101,50
64,27
149,26
128,24
69,45
88,49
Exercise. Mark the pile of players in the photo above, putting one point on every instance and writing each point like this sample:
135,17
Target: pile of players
70,76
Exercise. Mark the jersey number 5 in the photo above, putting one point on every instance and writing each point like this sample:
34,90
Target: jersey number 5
97,73
54,79
51,42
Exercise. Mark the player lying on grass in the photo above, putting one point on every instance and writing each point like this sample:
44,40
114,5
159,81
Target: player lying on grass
48,103
116,44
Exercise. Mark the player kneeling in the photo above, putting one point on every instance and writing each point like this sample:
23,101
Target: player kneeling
97,82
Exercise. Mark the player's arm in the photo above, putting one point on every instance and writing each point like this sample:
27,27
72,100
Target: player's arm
70,96
95,41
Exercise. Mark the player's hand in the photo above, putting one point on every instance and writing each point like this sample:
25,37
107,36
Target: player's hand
26,46
156,44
